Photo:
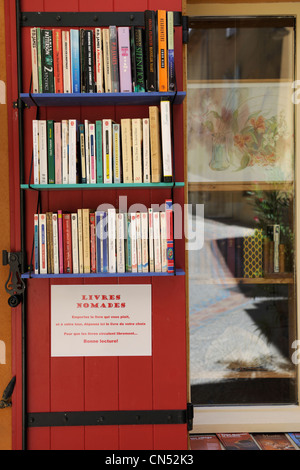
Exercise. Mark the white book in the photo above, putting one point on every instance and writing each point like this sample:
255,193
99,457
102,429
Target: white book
139,242
36,243
146,151
66,61
120,243
87,150
116,153
72,150
80,240
55,244
106,60
137,134
65,151
156,239
99,60
151,241
144,234
92,148
36,165
165,117
43,243
163,241
107,150
43,152
133,242
34,60
111,214
74,230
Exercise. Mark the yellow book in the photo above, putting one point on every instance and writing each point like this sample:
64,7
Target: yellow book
126,150
155,144
86,240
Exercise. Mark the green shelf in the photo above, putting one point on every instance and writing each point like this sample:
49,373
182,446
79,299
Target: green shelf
79,186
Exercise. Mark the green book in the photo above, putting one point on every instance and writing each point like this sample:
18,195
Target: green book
99,163
50,152
47,61
139,60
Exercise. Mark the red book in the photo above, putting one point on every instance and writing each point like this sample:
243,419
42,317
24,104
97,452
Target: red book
67,236
57,61
93,242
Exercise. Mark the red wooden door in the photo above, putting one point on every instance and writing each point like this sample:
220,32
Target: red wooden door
62,384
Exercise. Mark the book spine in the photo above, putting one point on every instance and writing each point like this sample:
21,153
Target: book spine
171,57
162,50
55,244
111,214
92,153
93,242
144,231
155,145
99,60
139,60
116,153
146,151
58,61
165,115
39,59
65,151
114,59
47,61
276,239
151,52
90,72
66,61
80,240
34,61
75,60
82,153
57,153
139,242
126,150
99,165
67,237
75,256
83,68
72,151
43,152
98,217
151,240
60,241
50,152
137,150
133,246
120,243
107,150
132,56
49,242
86,240
128,244
87,150
157,244
170,235
124,60
104,235
43,243
163,241
106,61
35,142
36,243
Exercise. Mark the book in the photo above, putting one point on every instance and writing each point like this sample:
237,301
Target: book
57,153
127,243
114,59
146,151
92,153
93,242
58,61
124,60
36,243
80,240
107,150
139,60
75,248
35,150
83,66
65,150
126,150
104,241
99,161
138,242
238,441
151,240
50,152
170,240
132,236
60,241
82,153
111,220
132,57
157,242
42,244
66,61
86,240
151,50
49,237
155,145
73,126
43,151
75,61
67,243
98,241
87,150
55,244
165,115
162,51
276,240
144,236
34,60
39,59
116,153
137,135
106,60
47,61
171,57
202,442
273,441
99,60
163,242
89,62
120,242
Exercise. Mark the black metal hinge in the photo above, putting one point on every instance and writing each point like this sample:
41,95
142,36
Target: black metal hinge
185,29
14,285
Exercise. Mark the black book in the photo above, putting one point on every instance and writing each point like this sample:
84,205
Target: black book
151,50
132,55
89,62
139,59
82,61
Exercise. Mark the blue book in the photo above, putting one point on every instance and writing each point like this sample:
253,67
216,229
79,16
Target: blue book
99,164
36,244
104,235
75,60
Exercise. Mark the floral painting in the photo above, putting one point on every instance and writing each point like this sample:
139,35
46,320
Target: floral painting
240,132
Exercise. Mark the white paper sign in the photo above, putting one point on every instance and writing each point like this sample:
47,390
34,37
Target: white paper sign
101,320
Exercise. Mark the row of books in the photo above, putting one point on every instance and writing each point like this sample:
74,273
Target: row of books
255,255
104,241
113,59
245,441
135,151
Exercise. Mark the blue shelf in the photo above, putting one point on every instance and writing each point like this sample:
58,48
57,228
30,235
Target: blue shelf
68,187
179,272
100,99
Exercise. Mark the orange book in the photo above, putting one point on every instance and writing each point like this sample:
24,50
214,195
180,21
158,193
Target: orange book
162,50
57,61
